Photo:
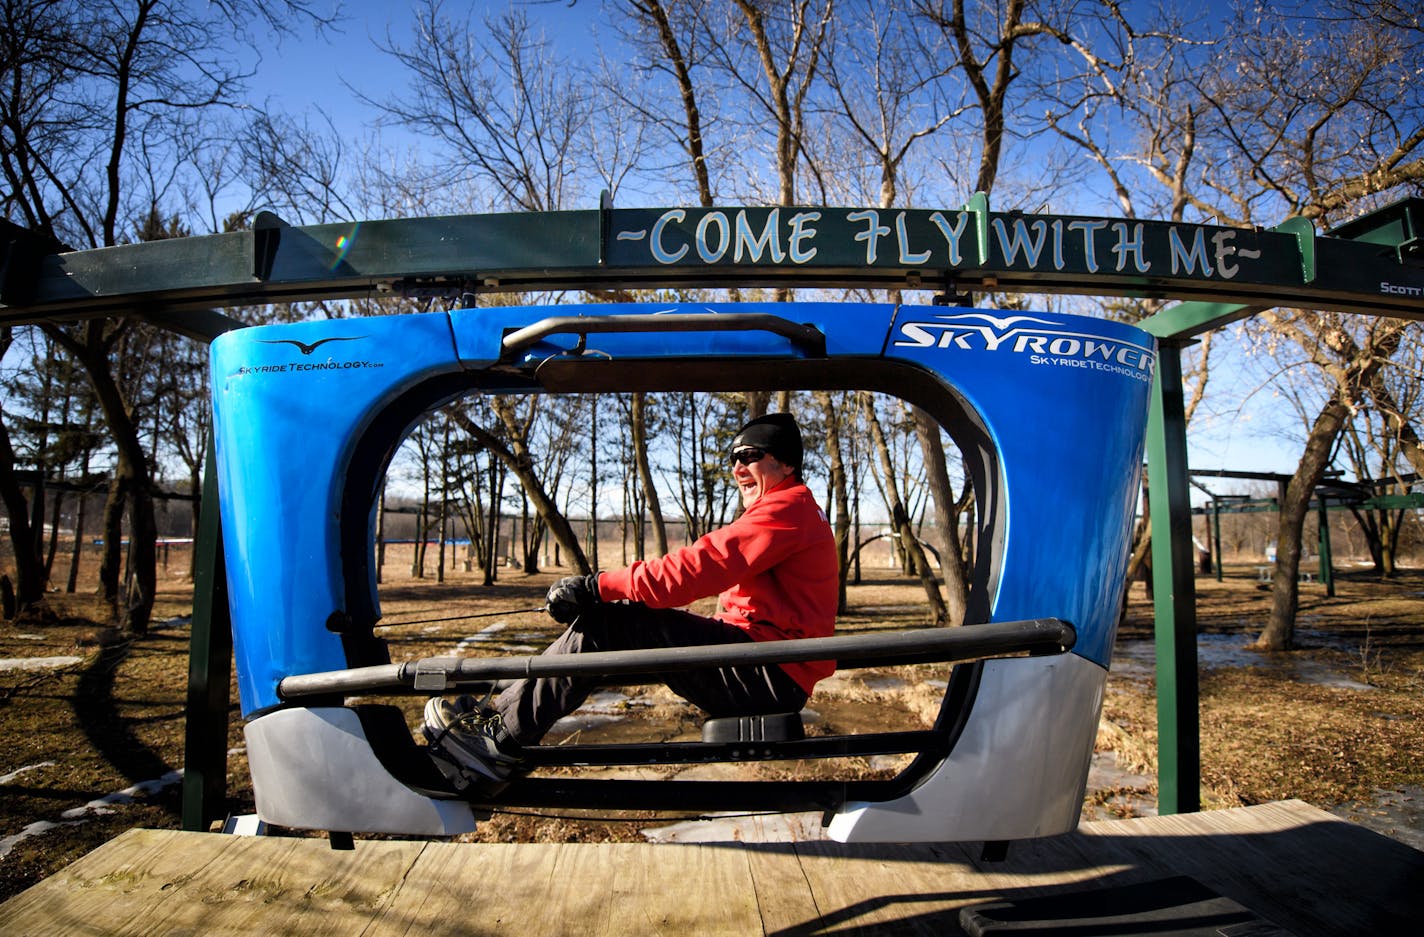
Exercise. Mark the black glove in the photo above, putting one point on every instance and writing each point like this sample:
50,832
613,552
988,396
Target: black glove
571,596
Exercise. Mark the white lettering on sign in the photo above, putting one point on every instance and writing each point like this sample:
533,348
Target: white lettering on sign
872,234
1130,246
952,234
936,240
801,231
754,244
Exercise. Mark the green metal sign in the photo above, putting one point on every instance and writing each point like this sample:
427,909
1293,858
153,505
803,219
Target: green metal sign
968,248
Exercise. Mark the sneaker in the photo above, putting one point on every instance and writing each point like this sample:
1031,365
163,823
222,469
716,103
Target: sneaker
464,738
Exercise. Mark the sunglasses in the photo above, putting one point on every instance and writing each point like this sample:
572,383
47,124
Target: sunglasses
747,456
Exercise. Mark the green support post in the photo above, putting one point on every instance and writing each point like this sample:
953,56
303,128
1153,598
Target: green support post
1174,591
209,669
1327,571
1216,534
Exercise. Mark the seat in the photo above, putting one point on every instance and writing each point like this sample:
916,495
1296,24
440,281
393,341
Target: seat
772,727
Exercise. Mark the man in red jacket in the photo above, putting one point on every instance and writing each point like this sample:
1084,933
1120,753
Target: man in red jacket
773,569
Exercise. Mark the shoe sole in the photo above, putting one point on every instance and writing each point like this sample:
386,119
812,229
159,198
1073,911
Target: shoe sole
456,753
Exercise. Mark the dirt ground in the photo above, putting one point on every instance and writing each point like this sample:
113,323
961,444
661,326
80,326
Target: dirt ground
92,726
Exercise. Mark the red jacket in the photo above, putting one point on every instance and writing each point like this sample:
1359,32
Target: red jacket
774,567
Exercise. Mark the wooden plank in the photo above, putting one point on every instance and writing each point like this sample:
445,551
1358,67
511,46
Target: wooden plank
124,879
154,882
547,889
873,889
783,895
1301,867
453,888
1289,863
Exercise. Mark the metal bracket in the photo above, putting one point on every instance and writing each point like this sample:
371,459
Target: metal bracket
431,674
1304,231
266,236
20,253
978,206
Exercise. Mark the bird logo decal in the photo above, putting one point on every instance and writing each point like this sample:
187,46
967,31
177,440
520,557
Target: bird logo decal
306,349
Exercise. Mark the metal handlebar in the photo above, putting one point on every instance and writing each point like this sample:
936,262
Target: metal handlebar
926,645
808,338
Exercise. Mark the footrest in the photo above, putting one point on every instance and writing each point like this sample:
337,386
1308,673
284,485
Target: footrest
775,727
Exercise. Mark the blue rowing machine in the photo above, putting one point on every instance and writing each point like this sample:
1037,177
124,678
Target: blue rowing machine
1047,408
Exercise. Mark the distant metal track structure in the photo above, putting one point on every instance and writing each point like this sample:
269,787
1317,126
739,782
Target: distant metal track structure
1373,265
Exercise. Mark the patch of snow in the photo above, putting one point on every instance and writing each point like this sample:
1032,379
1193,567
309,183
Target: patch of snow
38,663
8,778
34,829
99,807
126,796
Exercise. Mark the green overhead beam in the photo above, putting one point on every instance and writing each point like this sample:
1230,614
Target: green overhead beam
968,248
1392,502
1189,319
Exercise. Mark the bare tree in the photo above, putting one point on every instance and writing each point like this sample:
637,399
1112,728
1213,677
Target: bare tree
512,114
1303,119
900,518
670,40
96,119
512,449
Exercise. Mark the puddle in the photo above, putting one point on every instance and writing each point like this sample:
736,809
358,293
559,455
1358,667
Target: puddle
1131,793
882,682
1136,660
602,708
1398,814
740,828
583,722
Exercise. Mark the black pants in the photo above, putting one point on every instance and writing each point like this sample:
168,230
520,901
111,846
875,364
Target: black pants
531,707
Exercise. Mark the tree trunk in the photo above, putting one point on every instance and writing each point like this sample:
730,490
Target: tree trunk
52,546
517,457
142,580
901,519
131,483
76,554
111,555
29,571
381,535
645,471
937,477
840,498
1279,633
593,484
1360,372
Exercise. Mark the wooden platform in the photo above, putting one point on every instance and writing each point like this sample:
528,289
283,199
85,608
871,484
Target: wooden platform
1297,869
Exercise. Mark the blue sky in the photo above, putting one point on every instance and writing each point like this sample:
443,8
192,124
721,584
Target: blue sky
307,73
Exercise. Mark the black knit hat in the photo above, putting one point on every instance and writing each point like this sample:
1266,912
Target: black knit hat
776,433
